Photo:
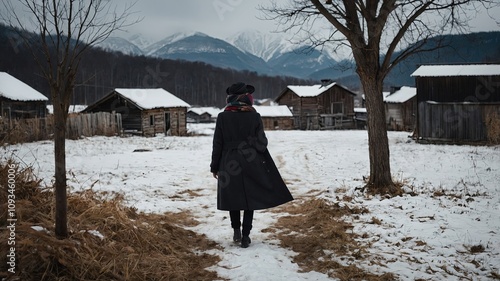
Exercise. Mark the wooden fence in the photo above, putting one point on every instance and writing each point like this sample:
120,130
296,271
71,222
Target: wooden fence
77,126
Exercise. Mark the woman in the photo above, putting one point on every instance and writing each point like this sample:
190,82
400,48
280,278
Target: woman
247,178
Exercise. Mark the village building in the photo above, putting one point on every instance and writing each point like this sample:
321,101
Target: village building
401,108
267,102
20,101
324,106
360,118
145,111
458,103
275,117
202,114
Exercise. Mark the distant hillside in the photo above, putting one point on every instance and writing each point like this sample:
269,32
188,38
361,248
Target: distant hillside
101,71
114,44
483,47
202,48
272,54
198,68
265,54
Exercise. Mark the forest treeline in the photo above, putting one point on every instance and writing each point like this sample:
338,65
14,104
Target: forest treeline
101,71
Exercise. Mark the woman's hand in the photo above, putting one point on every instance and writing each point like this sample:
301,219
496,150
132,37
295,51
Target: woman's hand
215,174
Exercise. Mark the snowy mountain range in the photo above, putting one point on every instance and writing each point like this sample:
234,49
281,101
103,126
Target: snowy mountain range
263,53
273,55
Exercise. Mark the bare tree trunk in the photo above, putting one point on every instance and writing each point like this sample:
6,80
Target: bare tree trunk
372,79
61,204
67,29
380,181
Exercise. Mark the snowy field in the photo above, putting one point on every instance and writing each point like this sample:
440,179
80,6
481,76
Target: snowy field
420,237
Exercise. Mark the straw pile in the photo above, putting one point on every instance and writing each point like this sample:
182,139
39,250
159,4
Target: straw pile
317,230
108,241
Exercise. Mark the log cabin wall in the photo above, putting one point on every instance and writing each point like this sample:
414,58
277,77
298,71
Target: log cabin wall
401,116
169,121
458,89
131,115
457,109
307,110
277,123
13,110
336,100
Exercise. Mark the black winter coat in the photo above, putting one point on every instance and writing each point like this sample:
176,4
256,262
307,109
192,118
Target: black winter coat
247,176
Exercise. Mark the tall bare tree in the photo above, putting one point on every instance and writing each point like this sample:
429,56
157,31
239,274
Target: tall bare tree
374,30
65,30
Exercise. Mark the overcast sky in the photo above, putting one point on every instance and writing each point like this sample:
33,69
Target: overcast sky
217,18
221,18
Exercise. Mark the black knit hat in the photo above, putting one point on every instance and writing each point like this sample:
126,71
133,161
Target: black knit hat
240,88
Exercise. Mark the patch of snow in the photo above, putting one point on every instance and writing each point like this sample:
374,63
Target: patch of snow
95,233
39,228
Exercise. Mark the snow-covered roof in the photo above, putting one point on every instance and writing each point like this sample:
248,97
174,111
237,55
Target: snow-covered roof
14,89
401,95
152,98
360,109
72,108
212,111
266,101
384,94
273,111
457,70
311,91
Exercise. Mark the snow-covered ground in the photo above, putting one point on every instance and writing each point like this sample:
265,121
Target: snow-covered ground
426,236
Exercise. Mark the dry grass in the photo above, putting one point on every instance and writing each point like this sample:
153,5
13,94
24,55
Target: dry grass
324,241
133,246
25,130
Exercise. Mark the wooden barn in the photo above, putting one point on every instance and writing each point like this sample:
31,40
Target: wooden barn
145,111
360,118
324,106
202,114
20,101
401,108
458,103
275,117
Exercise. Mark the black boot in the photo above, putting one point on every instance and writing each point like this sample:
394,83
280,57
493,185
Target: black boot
237,235
245,241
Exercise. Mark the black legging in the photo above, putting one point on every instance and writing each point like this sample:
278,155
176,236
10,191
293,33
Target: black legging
247,221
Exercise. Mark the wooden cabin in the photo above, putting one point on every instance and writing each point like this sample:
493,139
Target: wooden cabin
20,101
202,114
324,106
145,111
275,117
401,108
458,103
360,118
